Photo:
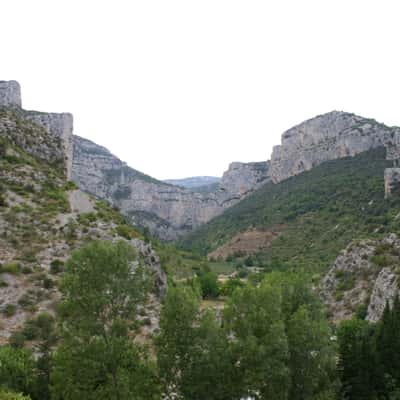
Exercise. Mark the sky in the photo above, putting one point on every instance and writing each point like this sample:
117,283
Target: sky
180,88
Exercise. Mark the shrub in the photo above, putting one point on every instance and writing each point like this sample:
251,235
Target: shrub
17,340
56,266
209,285
249,261
48,283
126,232
26,300
7,395
26,270
11,268
9,310
381,260
242,273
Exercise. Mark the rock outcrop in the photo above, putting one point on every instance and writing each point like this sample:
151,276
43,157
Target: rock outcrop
10,94
364,274
60,125
392,181
326,137
56,124
243,178
167,210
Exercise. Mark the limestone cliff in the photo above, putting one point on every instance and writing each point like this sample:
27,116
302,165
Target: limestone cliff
167,210
364,274
326,137
56,124
10,94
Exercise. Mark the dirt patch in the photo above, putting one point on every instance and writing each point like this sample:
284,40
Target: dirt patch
245,243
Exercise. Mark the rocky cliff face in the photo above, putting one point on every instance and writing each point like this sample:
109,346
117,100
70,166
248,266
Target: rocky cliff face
167,210
56,124
364,274
326,137
243,178
10,94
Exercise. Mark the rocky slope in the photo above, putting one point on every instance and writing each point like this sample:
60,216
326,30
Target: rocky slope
43,217
365,274
167,210
326,137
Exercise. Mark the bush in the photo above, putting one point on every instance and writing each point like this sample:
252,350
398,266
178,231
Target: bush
17,340
249,261
209,285
17,369
9,310
26,270
381,260
230,286
7,395
126,232
56,266
242,273
48,283
13,268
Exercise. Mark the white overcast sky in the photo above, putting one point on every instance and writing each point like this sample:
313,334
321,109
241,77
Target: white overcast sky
183,88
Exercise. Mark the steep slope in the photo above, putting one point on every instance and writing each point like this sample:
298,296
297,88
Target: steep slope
167,210
311,216
43,217
363,278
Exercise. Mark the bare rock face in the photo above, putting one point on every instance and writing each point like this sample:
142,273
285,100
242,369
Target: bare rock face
365,273
326,137
10,94
243,178
60,125
384,290
392,181
56,124
167,210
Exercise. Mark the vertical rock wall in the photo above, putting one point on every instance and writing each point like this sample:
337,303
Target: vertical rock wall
10,94
57,124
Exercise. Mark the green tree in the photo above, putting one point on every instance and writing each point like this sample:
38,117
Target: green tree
211,368
17,369
209,285
177,334
7,395
102,288
311,351
193,352
253,318
312,356
357,361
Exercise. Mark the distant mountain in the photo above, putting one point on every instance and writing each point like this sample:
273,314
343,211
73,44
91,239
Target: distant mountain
194,181
167,210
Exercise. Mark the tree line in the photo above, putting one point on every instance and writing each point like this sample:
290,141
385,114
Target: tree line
272,340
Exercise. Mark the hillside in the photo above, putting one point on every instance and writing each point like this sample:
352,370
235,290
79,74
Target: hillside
311,216
43,218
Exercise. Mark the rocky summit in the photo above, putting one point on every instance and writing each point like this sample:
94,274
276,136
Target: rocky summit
326,137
